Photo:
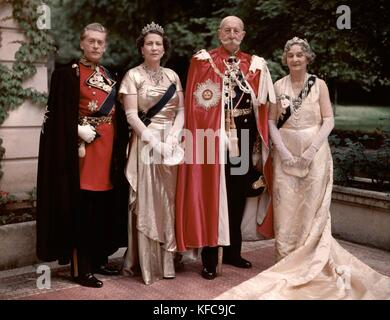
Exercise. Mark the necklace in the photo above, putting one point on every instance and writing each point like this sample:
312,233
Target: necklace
296,103
155,76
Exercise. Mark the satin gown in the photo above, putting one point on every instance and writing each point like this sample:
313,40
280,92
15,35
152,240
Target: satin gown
151,243
312,265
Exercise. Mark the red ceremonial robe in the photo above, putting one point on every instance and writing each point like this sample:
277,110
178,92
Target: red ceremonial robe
198,200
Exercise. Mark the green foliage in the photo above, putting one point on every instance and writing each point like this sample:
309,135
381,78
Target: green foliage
354,160
37,46
190,26
6,197
32,195
11,217
364,118
378,164
347,160
14,211
358,54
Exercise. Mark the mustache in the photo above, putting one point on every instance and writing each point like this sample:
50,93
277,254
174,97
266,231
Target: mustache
234,41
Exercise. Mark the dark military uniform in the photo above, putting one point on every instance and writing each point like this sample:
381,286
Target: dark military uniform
73,212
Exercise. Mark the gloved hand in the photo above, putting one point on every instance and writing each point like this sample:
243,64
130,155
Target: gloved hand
82,150
285,155
162,148
86,132
307,157
172,140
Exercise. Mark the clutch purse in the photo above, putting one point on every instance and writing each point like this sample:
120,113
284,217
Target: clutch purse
176,157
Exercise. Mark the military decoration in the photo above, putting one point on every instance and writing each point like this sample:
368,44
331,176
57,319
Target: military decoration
207,94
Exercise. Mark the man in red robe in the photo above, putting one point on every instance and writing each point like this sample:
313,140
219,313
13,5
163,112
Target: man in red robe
226,97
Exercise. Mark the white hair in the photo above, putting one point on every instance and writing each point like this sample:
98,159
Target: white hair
223,21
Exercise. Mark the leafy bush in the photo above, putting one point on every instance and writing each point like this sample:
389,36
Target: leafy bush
5,197
352,159
15,211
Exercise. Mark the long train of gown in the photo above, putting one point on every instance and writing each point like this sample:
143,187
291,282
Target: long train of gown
312,264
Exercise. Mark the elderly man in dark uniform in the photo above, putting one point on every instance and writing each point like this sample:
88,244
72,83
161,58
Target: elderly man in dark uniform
226,93
81,188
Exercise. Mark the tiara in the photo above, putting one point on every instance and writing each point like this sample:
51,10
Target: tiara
152,27
299,40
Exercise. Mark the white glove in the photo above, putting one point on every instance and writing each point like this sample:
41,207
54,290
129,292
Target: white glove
82,150
148,137
307,157
172,140
284,153
309,154
162,148
86,132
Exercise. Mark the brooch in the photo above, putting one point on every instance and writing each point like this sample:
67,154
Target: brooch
92,105
284,101
207,94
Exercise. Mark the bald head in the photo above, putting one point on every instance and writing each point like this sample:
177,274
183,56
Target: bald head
232,19
231,32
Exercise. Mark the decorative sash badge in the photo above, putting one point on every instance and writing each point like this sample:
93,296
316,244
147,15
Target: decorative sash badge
207,94
98,80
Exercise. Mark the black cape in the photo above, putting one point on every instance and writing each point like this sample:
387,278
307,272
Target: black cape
58,183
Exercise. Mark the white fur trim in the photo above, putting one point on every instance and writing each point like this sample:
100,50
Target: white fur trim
202,55
266,88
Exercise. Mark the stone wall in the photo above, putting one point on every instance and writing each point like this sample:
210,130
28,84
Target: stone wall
17,245
20,131
361,216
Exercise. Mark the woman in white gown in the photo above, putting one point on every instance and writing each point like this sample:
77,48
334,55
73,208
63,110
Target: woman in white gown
311,264
152,244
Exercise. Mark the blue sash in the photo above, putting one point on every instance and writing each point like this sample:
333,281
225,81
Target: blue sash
145,117
284,117
109,103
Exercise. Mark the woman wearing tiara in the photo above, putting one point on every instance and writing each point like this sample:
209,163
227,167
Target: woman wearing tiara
311,264
153,100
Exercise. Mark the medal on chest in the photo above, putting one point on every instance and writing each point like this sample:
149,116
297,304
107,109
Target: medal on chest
100,81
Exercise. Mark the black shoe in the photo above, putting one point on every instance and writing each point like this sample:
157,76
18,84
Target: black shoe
208,275
89,280
107,270
239,263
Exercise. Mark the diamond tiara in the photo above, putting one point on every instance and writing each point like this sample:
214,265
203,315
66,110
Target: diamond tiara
152,27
